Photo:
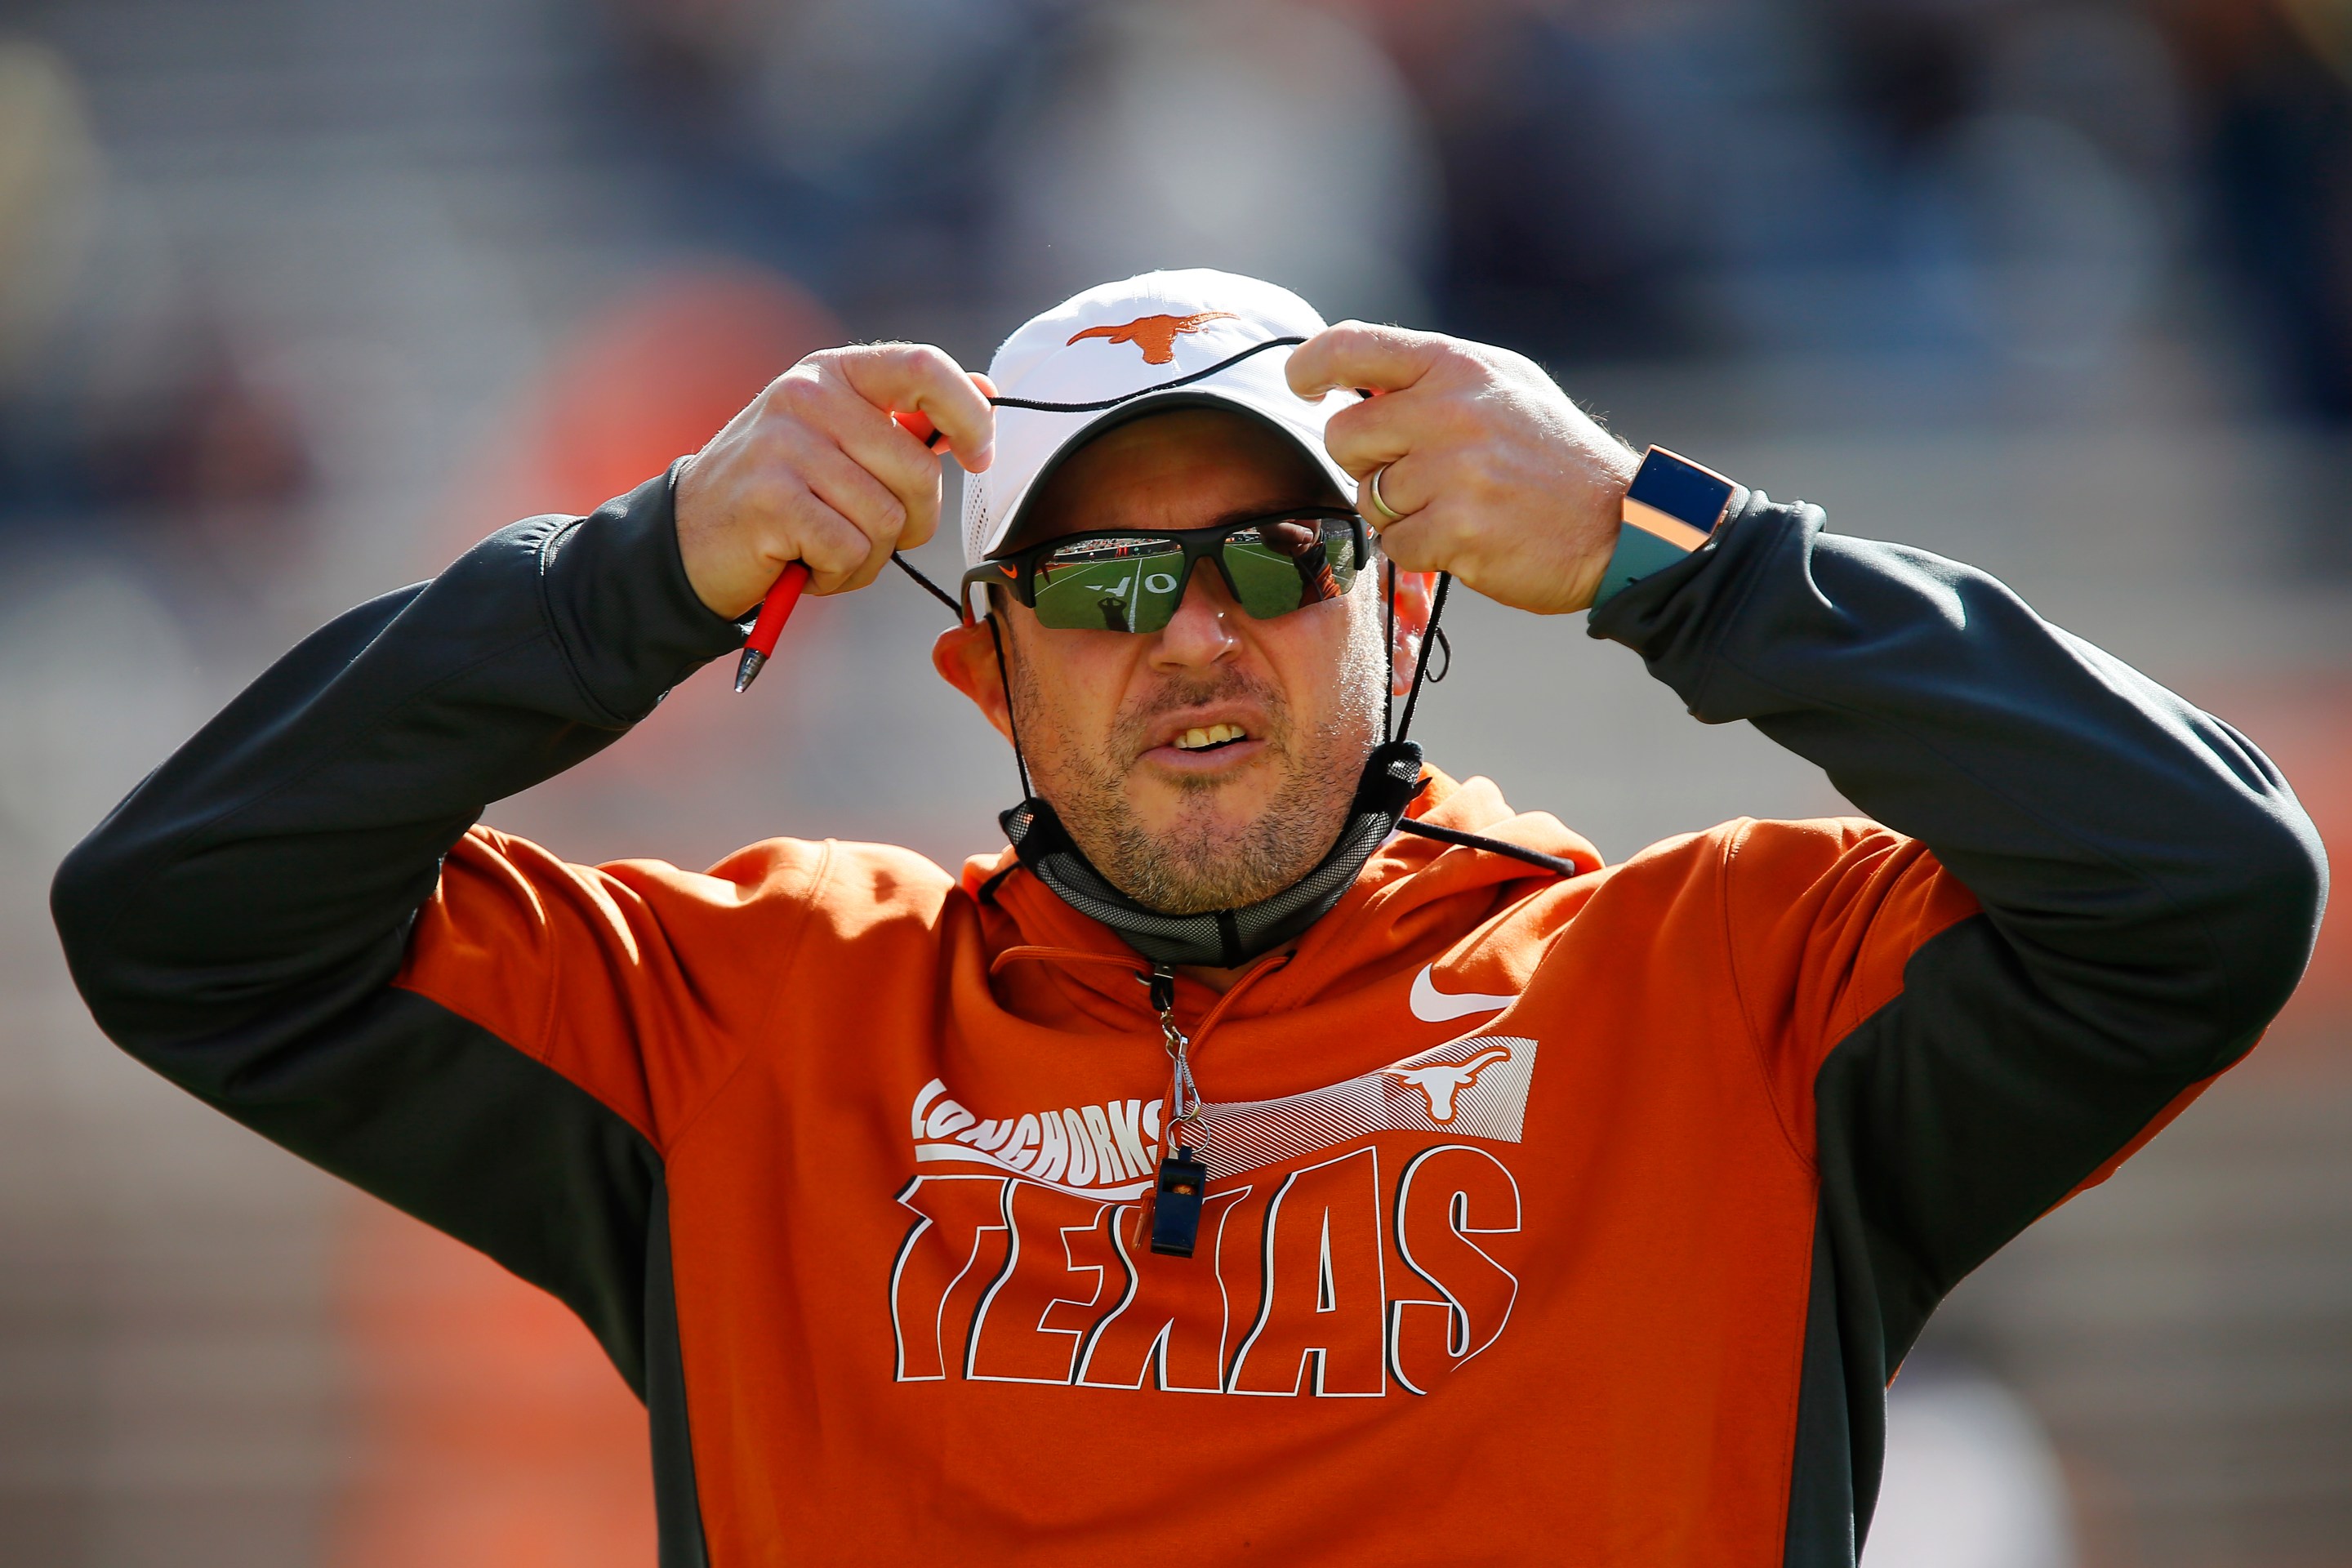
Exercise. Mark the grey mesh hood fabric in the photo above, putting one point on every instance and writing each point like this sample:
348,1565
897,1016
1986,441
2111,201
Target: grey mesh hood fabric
1223,939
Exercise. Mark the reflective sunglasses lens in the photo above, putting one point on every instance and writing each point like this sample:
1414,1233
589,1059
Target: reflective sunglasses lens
1278,566
1110,584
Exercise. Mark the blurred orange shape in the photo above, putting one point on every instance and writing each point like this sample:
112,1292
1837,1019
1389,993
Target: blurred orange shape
488,1429
643,382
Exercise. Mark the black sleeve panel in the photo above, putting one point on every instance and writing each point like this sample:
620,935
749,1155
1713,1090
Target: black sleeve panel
1827,1475
2149,889
438,1117
235,922
442,1119
677,1504
283,847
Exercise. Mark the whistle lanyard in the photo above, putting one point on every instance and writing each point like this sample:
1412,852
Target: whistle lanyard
1183,1090
1184,1180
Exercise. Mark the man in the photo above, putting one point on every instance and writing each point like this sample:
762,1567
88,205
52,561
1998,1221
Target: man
1553,1212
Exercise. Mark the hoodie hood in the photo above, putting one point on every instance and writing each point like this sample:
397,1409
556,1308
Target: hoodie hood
1414,899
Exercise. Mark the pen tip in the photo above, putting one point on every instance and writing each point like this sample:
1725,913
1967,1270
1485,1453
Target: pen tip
747,669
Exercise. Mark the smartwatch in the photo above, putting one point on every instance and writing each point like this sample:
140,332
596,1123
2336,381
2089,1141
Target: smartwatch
1672,508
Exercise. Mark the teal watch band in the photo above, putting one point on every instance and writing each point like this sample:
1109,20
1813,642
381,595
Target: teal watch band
1672,507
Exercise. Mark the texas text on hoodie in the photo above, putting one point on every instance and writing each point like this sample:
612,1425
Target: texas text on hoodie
1549,1220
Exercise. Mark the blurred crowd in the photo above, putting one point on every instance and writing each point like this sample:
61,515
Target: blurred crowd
1627,178
297,298
1977,186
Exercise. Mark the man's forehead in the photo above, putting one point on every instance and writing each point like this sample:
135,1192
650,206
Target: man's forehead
1177,467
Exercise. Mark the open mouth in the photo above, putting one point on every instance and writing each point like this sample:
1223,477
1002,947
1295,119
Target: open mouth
1208,737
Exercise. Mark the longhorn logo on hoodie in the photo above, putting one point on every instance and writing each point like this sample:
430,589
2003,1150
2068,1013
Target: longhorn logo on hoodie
1441,1081
1337,1259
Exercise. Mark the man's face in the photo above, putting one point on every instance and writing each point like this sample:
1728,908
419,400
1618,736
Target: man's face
1112,722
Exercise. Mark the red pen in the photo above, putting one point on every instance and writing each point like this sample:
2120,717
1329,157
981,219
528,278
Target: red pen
774,611
785,591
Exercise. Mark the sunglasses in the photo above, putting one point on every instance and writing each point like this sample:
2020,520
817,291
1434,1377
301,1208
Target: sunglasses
1133,582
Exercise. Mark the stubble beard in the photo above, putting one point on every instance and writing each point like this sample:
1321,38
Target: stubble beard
1202,862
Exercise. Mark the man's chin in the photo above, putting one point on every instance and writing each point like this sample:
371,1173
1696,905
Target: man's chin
1210,850
1193,838
1198,806
1197,878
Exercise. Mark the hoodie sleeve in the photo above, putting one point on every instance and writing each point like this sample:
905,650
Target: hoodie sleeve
2095,896
247,920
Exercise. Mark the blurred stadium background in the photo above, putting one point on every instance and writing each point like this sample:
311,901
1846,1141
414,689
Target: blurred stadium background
299,297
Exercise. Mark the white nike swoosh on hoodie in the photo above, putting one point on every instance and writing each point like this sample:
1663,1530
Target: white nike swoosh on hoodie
1431,1005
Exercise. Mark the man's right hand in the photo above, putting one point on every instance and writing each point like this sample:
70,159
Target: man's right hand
816,469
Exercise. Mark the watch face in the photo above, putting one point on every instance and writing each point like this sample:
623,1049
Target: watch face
1680,488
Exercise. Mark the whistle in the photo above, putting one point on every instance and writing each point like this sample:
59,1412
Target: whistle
1176,1206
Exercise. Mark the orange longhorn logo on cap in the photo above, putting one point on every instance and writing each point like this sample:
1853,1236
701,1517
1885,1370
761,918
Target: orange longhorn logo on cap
1155,335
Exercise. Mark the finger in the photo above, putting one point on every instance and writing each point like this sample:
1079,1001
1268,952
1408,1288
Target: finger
886,448
1418,541
1381,430
1402,486
920,425
930,434
905,468
833,547
915,378
1359,354
934,438
853,492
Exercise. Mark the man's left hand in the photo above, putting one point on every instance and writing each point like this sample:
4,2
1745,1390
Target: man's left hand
1500,479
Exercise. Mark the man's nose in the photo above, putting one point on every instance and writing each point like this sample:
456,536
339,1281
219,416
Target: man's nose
1201,632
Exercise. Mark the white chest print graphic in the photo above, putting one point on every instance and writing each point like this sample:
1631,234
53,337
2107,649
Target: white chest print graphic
1315,1276
1431,1005
1443,1080
1482,1092
1102,1151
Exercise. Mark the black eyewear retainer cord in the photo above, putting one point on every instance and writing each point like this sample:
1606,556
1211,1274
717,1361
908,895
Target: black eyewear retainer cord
932,440
1432,635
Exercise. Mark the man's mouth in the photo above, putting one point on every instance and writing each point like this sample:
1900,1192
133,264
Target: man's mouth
1208,738
1221,736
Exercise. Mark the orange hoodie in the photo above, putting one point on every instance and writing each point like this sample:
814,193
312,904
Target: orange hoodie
1486,1134
1549,1220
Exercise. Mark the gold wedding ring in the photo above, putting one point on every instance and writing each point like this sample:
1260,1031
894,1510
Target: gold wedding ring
1381,502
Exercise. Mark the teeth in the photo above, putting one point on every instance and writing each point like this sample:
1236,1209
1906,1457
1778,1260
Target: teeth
1195,739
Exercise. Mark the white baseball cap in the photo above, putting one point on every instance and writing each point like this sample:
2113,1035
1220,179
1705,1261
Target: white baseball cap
1161,340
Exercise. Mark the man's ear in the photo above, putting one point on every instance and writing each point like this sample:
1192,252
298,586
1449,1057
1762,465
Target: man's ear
965,657
1414,590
